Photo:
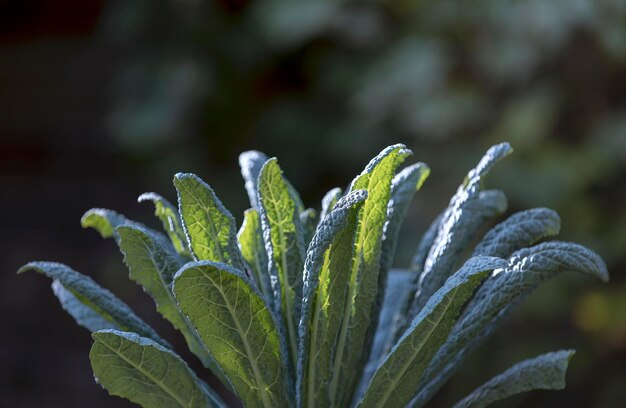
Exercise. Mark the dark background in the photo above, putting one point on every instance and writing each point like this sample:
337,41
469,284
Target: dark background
101,101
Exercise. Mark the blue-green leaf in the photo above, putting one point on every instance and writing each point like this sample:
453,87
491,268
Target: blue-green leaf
326,273
423,248
89,298
84,316
209,226
469,208
545,372
395,382
404,314
168,214
238,329
146,373
307,220
329,201
518,231
487,203
284,242
251,163
499,295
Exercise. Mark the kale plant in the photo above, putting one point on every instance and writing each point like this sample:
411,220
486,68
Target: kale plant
295,310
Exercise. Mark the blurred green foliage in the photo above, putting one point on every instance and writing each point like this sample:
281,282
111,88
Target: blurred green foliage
338,78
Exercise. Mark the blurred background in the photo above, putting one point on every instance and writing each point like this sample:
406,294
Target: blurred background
103,100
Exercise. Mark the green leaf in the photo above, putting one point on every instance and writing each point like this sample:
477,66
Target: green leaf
295,196
89,298
499,295
152,263
329,201
284,243
545,372
359,314
251,163
396,294
469,208
396,380
209,226
238,329
326,273
104,221
168,214
307,220
146,373
403,188
252,248
519,230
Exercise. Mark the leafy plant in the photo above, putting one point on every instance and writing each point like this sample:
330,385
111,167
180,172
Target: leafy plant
294,310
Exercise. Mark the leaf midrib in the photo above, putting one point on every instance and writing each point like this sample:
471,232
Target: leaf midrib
214,235
313,342
102,312
256,248
184,318
253,360
347,306
146,373
285,276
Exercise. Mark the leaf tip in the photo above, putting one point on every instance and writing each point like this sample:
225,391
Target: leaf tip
424,171
271,161
148,196
28,267
600,269
39,266
178,177
250,156
270,168
102,220
502,149
603,272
